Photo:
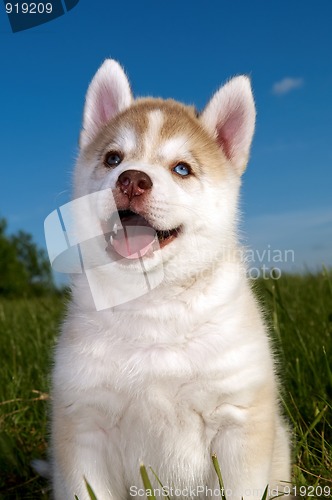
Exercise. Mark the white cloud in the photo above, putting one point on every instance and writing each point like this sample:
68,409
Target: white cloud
286,85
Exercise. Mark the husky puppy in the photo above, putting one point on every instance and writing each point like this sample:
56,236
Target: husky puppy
169,374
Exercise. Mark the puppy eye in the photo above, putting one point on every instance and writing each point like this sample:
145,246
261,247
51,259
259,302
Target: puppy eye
182,169
112,159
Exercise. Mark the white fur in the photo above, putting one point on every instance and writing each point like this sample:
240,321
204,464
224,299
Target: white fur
125,141
186,370
175,148
152,134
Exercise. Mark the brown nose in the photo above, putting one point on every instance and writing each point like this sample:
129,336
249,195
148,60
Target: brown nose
134,183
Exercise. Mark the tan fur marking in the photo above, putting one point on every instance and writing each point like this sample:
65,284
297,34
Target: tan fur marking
178,120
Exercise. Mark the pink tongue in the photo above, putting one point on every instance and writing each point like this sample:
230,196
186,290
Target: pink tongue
133,241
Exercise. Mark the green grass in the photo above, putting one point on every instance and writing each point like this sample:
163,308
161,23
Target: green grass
299,312
27,333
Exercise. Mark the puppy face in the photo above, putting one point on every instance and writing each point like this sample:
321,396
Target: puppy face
166,178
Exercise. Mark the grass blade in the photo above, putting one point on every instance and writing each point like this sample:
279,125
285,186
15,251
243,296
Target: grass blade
328,369
161,484
147,483
327,277
92,494
218,472
264,497
312,426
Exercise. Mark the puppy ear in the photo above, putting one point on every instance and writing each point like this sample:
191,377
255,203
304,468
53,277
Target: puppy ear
108,94
230,117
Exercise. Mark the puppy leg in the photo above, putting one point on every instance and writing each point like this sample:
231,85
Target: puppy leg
281,466
78,453
245,450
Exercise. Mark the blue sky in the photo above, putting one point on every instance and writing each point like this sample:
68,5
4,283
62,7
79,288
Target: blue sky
182,49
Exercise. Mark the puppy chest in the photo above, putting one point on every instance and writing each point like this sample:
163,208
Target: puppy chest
177,417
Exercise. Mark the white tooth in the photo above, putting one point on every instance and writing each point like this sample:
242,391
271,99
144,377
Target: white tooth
111,240
115,228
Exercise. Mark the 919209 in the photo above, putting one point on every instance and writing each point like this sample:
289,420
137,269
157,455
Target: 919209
29,8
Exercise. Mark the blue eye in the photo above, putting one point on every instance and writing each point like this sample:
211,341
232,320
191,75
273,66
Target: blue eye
182,169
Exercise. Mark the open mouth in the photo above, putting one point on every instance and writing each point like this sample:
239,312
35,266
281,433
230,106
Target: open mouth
135,237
